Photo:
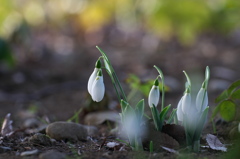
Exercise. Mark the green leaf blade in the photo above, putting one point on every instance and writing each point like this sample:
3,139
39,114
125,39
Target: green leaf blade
140,108
164,112
124,104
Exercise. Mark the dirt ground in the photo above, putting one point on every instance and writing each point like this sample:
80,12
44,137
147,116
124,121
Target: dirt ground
48,85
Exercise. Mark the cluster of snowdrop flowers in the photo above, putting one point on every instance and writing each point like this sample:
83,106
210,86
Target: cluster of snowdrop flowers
185,104
194,116
96,86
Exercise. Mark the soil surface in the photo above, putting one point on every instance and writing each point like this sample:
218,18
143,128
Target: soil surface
49,85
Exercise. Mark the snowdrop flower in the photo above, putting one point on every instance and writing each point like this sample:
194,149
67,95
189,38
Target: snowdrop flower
154,94
202,99
98,88
93,76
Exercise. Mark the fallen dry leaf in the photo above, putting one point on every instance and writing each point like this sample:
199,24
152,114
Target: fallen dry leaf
215,143
170,150
7,129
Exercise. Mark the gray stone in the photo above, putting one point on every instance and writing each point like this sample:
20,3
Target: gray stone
52,154
67,131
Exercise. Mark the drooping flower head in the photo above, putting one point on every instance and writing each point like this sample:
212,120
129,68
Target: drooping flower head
98,88
93,76
154,94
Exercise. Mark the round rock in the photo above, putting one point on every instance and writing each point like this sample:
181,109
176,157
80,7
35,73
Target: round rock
67,131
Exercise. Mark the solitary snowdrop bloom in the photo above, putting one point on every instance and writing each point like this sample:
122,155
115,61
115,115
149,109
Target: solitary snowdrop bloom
154,94
93,76
202,100
98,88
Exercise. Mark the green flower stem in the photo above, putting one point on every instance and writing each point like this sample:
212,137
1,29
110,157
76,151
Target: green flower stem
163,85
119,85
113,76
196,146
114,85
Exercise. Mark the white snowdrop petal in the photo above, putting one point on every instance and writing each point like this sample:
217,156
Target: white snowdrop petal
186,103
200,104
154,96
91,79
179,110
98,89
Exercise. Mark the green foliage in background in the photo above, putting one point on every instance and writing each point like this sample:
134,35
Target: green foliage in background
228,102
137,85
6,54
184,19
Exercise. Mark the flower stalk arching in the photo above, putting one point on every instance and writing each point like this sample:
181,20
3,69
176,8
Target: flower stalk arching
163,85
131,117
117,85
154,95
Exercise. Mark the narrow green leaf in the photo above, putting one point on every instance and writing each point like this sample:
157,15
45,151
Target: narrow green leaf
156,120
124,104
140,108
151,147
228,110
121,116
106,60
164,112
222,96
159,71
128,111
201,124
172,115
125,142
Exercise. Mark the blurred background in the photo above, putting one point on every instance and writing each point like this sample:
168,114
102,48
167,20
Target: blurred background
47,49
